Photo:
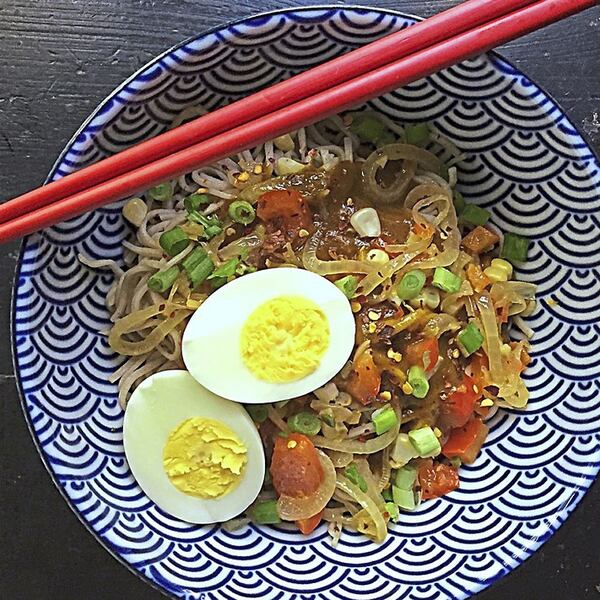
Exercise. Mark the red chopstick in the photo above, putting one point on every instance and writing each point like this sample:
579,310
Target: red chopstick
309,110
456,20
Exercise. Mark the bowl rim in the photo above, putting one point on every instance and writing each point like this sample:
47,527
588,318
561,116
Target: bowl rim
104,543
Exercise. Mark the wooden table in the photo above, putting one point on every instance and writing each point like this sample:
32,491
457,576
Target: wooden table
58,60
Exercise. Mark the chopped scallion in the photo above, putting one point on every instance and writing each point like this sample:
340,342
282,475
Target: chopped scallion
348,285
174,241
470,338
384,419
305,423
417,134
425,442
265,513
387,494
418,382
514,248
163,280
355,477
405,478
411,285
242,212
367,128
258,412
392,510
193,202
161,192
201,272
405,499
226,269
475,215
459,202
446,280
192,260
218,282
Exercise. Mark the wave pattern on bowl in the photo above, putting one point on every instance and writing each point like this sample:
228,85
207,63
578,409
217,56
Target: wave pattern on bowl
526,163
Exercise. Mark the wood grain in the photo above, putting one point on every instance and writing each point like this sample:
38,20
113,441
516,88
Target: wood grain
58,60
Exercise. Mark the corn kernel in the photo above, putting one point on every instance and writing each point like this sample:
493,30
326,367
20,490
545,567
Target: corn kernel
385,396
372,328
378,257
258,169
374,316
499,270
244,176
487,403
407,388
303,233
355,306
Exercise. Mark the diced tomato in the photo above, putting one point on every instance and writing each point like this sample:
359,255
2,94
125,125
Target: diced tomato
479,240
364,380
465,442
287,209
480,370
424,353
307,526
295,467
457,408
437,479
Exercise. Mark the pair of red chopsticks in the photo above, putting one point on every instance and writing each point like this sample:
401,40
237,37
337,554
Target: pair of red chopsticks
466,30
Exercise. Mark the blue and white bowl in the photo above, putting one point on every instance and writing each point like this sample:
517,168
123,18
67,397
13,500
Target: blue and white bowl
527,164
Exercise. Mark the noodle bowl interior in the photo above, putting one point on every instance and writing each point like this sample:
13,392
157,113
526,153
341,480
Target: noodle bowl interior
404,331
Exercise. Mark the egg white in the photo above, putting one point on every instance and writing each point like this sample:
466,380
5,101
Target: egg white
157,406
211,342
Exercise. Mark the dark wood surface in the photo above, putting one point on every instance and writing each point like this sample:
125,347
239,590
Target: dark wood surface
58,60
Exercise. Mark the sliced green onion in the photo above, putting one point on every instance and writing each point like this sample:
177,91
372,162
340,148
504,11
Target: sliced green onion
163,280
411,285
387,137
192,260
226,269
242,212
470,338
351,472
201,272
392,510
445,172
212,224
174,241
367,128
417,134
514,248
475,215
161,192
258,412
387,494
418,381
384,419
405,478
193,202
446,280
405,499
459,202
218,282
425,442
305,423
211,231
348,285
265,513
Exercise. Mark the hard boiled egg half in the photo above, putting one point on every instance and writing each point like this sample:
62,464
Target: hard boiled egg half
199,457
269,336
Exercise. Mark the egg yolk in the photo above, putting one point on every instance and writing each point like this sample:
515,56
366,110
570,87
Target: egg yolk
204,458
284,339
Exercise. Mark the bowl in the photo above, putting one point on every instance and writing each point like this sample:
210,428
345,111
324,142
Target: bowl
526,163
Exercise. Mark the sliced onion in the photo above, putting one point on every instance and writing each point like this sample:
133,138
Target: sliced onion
346,486
330,267
296,509
340,459
492,342
241,245
137,321
356,447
